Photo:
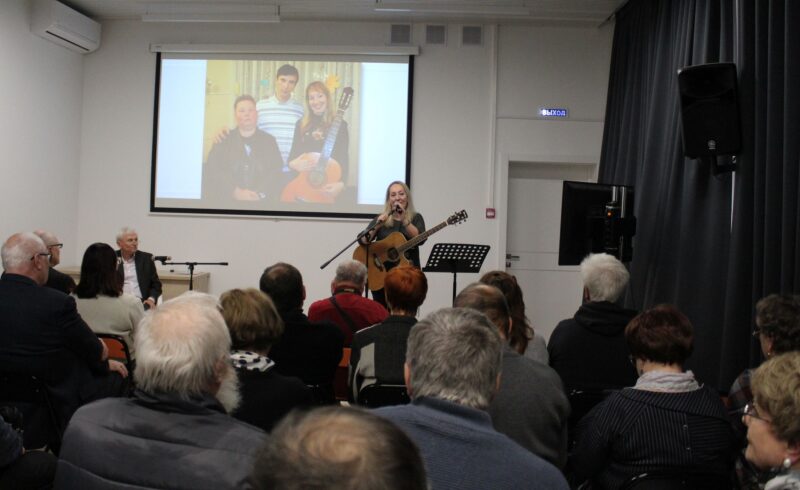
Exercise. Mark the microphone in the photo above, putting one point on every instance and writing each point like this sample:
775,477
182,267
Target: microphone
398,209
161,258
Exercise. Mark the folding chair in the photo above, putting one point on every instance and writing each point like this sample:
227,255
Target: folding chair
117,348
41,424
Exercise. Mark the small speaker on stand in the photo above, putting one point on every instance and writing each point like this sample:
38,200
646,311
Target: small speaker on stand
710,113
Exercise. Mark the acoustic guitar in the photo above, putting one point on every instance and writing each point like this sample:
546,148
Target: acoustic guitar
382,255
307,186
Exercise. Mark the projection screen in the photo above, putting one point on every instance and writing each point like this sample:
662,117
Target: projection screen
279,134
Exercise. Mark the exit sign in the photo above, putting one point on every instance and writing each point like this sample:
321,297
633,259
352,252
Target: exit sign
549,112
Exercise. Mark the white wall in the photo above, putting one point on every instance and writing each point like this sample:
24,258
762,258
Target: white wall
40,107
454,155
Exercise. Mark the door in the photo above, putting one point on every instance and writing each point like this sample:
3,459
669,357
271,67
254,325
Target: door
552,292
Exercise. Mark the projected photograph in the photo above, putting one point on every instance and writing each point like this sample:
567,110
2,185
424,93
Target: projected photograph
307,136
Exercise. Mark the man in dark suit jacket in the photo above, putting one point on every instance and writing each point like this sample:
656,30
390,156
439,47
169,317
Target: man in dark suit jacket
137,269
309,351
55,279
42,334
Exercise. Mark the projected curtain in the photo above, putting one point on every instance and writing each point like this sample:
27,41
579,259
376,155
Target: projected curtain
711,245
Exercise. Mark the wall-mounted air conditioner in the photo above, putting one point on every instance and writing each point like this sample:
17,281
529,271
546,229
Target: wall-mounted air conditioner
62,25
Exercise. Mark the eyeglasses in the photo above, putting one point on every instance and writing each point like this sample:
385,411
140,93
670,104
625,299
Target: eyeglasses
42,254
56,245
751,411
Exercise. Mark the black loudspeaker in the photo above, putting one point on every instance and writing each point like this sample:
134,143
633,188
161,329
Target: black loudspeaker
710,110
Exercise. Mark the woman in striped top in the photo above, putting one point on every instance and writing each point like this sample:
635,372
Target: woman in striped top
667,421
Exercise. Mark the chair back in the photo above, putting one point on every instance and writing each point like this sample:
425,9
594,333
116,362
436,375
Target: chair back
581,402
678,479
117,348
382,395
340,378
41,424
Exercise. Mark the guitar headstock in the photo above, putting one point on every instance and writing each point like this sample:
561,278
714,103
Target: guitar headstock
457,217
346,98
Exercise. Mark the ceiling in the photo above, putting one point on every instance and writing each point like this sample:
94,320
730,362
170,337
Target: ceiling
578,12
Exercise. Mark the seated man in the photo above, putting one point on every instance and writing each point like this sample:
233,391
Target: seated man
137,269
530,407
175,432
347,307
339,448
56,279
589,351
309,351
452,372
43,335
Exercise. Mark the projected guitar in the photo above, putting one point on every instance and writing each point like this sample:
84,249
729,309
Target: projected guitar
386,253
308,186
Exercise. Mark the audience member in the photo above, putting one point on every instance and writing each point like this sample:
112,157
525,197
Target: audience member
347,307
379,352
778,331
667,421
137,269
42,333
21,469
309,351
530,407
254,326
174,432
522,338
55,279
100,299
773,421
588,351
452,371
339,448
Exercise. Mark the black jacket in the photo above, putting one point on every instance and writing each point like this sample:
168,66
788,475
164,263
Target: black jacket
146,274
588,351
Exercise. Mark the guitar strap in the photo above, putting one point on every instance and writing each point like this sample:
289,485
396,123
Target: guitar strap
350,323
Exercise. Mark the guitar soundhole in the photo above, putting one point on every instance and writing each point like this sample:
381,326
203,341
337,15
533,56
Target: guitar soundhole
316,178
392,254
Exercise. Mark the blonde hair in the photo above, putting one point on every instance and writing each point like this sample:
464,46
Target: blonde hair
252,319
387,207
776,391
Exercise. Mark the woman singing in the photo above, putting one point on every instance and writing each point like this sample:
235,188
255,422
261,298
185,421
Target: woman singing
310,134
398,215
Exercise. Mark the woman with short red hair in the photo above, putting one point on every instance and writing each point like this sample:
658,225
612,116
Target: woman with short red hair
379,351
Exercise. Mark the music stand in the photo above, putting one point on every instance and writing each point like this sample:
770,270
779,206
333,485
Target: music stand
455,258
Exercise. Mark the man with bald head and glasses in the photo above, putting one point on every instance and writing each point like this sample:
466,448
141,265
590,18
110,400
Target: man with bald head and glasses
42,334
55,279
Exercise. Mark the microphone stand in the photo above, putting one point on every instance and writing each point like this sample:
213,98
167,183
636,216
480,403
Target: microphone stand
191,265
361,235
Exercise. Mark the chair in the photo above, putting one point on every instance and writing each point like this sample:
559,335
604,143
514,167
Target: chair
117,348
41,424
581,402
381,395
340,378
678,479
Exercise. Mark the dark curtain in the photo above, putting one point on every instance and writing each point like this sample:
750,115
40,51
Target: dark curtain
704,242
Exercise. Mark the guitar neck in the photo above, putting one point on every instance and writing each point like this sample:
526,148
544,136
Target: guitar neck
330,140
422,236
